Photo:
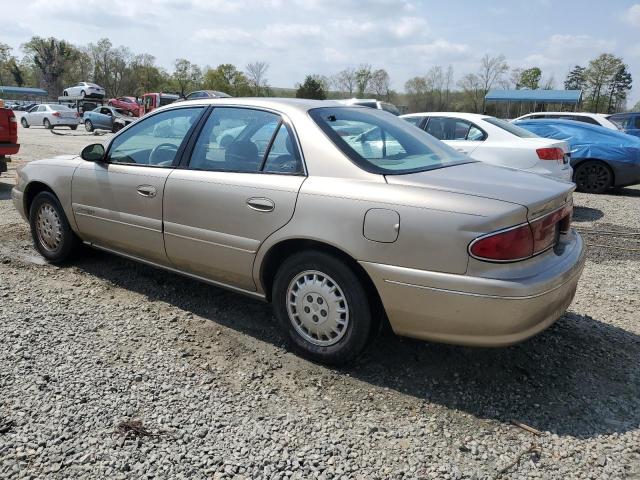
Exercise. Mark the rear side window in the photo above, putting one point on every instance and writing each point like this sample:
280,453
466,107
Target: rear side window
583,119
245,140
414,120
388,107
445,128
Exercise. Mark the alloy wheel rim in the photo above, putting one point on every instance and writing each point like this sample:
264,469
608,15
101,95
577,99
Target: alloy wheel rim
593,177
49,227
317,308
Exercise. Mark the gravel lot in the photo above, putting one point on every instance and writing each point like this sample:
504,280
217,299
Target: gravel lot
111,369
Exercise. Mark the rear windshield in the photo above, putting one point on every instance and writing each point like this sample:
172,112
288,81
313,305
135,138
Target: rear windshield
381,143
388,107
60,108
510,127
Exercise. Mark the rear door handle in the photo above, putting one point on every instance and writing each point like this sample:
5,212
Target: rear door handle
261,204
147,191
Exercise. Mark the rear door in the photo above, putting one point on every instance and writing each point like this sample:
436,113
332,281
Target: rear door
460,134
118,204
240,185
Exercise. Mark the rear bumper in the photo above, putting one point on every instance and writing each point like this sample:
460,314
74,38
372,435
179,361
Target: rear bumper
9,148
475,311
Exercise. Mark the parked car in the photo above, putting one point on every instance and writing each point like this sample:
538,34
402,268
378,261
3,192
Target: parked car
628,122
50,116
450,249
590,118
106,118
151,101
371,103
25,107
206,94
84,89
601,158
8,136
128,104
491,140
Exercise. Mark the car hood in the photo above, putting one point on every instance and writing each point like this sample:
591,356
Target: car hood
537,193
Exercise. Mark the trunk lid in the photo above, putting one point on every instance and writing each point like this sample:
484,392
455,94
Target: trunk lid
538,194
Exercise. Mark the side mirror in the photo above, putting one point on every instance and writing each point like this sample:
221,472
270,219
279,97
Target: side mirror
93,153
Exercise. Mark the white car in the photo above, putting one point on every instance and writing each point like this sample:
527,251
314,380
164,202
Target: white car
592,118
84,89
50,116
491,140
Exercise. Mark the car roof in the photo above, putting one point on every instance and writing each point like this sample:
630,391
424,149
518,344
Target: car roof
561,121
463,115
579,114
284,104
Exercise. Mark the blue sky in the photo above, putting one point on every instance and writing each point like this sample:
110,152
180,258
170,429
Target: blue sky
298,37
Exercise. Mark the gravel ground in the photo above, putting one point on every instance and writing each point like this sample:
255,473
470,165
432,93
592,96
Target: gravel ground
111,369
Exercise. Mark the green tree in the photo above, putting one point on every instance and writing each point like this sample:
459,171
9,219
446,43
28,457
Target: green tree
52,57
187,75
530,78
311,88
16,73
618,89
599,75
227,78
576,79
380,83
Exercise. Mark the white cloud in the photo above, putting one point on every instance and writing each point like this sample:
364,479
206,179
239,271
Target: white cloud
632,15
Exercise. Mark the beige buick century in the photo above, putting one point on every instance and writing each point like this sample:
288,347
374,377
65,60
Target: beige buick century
342,217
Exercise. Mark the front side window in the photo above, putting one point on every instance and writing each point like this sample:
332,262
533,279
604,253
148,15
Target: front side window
383,144
244,140
154,140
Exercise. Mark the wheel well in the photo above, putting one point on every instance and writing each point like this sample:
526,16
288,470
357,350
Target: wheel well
279,252
33,189
613,174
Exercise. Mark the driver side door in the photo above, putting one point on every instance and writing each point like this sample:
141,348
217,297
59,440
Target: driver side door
117,204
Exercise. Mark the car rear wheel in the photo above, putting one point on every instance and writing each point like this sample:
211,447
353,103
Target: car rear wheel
323,307
65,94
593,176
24,122
50,229
88,126
47,124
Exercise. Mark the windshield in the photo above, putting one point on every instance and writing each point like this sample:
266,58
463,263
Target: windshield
510,127
381,143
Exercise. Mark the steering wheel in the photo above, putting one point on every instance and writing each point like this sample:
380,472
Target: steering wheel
158,149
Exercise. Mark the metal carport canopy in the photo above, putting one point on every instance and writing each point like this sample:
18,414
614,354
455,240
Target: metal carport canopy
541,96
30,92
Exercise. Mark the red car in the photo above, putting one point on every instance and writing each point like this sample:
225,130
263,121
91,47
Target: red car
128,104
8,136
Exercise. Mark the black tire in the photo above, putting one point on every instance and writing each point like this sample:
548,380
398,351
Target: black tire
66,243
361,323
73,127
593,176
24,123
88,125
47,124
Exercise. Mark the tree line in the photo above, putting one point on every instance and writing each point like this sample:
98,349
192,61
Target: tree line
54,64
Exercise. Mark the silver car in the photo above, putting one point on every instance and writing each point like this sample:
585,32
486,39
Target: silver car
342,217
50,116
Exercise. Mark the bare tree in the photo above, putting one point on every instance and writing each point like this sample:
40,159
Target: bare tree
447,82
380,83
345,81
256,74
472,88
491,70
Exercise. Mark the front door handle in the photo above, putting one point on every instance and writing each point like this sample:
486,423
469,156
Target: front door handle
147,191
261,204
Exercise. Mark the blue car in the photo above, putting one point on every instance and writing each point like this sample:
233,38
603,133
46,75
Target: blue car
628,122
106,118
601,158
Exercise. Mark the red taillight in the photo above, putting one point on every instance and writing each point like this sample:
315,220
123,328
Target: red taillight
550,154
56,114
523,241
507,245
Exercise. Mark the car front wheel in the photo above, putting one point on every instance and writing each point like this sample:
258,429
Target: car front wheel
50,229
593,176
323,307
